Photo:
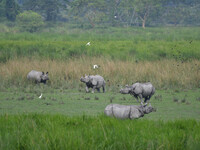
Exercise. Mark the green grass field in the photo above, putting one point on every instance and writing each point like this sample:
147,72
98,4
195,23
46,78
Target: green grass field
73,119
68,118
114,43
34,131
170,104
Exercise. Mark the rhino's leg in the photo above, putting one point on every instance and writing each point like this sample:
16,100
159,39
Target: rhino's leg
94,87
147,100
98,89
104,89
136,98
86,88
140,96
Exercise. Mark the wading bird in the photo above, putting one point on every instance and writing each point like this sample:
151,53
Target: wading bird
40,96
95,66
88,44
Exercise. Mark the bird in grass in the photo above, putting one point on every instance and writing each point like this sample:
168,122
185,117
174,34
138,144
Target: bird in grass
88,44
40,96
95,66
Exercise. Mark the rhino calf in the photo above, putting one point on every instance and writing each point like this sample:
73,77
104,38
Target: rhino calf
127,111
94,82
37,76
141,90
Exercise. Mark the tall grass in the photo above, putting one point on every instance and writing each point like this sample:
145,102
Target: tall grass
163,74
123,50
66,32
117,43
37,131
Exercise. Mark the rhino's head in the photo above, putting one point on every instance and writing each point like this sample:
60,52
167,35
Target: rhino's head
44,77
148,109
126,90
85,79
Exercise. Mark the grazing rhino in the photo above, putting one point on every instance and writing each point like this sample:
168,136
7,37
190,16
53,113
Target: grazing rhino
37,76
127,111
94,82
141,90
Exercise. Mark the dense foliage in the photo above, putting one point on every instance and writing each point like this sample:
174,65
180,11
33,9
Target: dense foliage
103,13
29,21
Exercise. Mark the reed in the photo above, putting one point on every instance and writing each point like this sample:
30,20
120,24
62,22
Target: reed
163,74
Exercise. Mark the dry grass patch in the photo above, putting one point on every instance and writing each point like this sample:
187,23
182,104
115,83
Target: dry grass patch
163,74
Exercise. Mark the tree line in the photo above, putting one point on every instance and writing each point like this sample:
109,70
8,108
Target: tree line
93,13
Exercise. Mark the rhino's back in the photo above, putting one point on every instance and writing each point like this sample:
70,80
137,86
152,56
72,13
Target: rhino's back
34,75
117,111
100,79
148,89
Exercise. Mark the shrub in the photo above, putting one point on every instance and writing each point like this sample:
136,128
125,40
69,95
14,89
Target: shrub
29,21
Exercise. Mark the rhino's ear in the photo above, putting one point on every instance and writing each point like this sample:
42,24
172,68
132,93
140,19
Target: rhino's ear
47,73
42,73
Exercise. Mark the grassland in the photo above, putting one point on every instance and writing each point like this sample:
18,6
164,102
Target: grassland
73,119
61,132
168,57
68,118
165,74
114,43
170,104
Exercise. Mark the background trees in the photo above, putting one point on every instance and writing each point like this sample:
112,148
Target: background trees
29,21
104,13
49,9
9,9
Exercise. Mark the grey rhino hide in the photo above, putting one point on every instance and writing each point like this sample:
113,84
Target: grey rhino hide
141,90
85,79
94,82
127,111
126,90
37,76
87,82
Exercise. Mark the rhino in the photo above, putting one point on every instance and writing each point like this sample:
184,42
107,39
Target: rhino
141,90
127,111
94,82
37,76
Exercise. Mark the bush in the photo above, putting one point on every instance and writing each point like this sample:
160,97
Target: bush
29,21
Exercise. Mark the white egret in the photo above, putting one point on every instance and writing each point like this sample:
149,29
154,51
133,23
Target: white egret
95,66
40,96
88,44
